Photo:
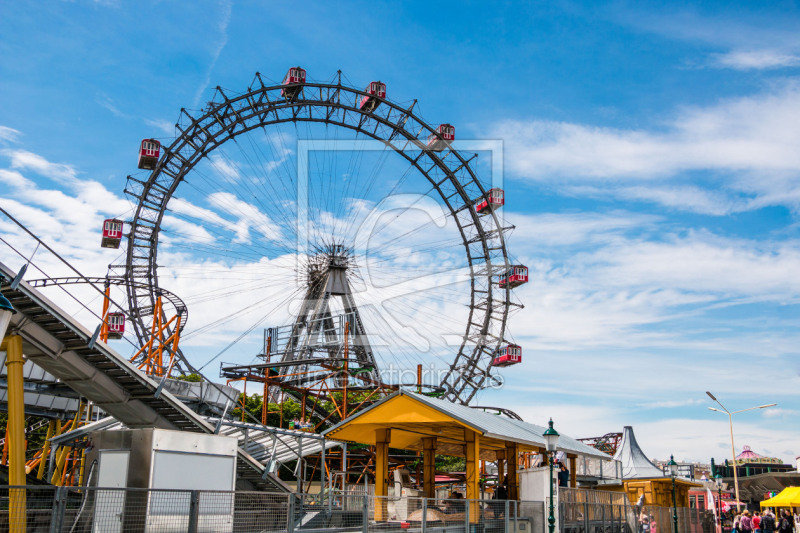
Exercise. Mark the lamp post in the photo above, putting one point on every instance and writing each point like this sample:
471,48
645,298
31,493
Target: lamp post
673,473
733,450
718,481
551,439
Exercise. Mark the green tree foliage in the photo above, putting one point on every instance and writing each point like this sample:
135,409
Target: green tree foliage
447,463
192,378
291,411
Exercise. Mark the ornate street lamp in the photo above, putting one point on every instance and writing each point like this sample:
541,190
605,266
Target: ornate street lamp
673,473
733,450
551,439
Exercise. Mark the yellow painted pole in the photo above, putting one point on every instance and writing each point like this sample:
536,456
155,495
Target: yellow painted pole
473,453
51,427
83,467
61,455
104,327
16,432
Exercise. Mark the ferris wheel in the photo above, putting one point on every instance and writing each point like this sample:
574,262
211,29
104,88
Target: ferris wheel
268,191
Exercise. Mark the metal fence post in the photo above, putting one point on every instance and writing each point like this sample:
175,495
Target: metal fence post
516,512
59,507
365,514
424,514
505,516
290,515
194,511
585,516
466,516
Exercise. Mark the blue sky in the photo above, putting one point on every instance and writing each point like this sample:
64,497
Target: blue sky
651,171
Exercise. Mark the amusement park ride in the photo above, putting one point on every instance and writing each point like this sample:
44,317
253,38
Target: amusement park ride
323,359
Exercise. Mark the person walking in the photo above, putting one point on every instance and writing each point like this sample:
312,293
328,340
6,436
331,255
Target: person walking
737,519
767,522
746,523
786,524
757,522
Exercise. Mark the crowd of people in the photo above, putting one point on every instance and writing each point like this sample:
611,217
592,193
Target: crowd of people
764,522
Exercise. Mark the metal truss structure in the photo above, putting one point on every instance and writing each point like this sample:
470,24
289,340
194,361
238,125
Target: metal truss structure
166,304
608,443
314,329
451,174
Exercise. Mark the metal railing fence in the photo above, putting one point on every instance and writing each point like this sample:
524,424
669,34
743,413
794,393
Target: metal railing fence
48,509
597,511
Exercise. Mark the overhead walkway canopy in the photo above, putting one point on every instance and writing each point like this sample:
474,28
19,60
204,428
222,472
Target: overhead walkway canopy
410,421
57,343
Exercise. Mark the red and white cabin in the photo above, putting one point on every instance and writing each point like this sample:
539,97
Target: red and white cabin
445,134
494,198
370,101
112,233
149,153
116,325
293,82
507,356
516,276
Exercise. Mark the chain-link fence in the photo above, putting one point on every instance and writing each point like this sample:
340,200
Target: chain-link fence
50,509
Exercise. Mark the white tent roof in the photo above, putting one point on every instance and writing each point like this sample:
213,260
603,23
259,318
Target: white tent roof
635,463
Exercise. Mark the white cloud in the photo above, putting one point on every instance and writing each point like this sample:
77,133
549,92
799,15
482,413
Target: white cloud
9,134
225,167
224,19
746,148
566,229
164,125
24,160
107,103
756,60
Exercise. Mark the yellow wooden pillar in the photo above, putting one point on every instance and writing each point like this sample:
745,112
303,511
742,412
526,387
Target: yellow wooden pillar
382,439
573,479
16,431
429,466
512,454
473,453
501,455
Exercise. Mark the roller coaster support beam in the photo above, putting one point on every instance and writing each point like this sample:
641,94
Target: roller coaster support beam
104,327
12,344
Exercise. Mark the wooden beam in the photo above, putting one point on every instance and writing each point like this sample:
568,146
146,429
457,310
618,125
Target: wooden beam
573,474
382,439
429,466
512,459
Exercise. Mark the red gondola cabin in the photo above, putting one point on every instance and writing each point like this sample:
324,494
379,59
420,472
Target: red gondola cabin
370,101
149,153
445,134
116,325
516,276
507,356
112,233
494,198
293,82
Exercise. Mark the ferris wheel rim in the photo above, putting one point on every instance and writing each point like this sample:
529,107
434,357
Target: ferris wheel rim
154,197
